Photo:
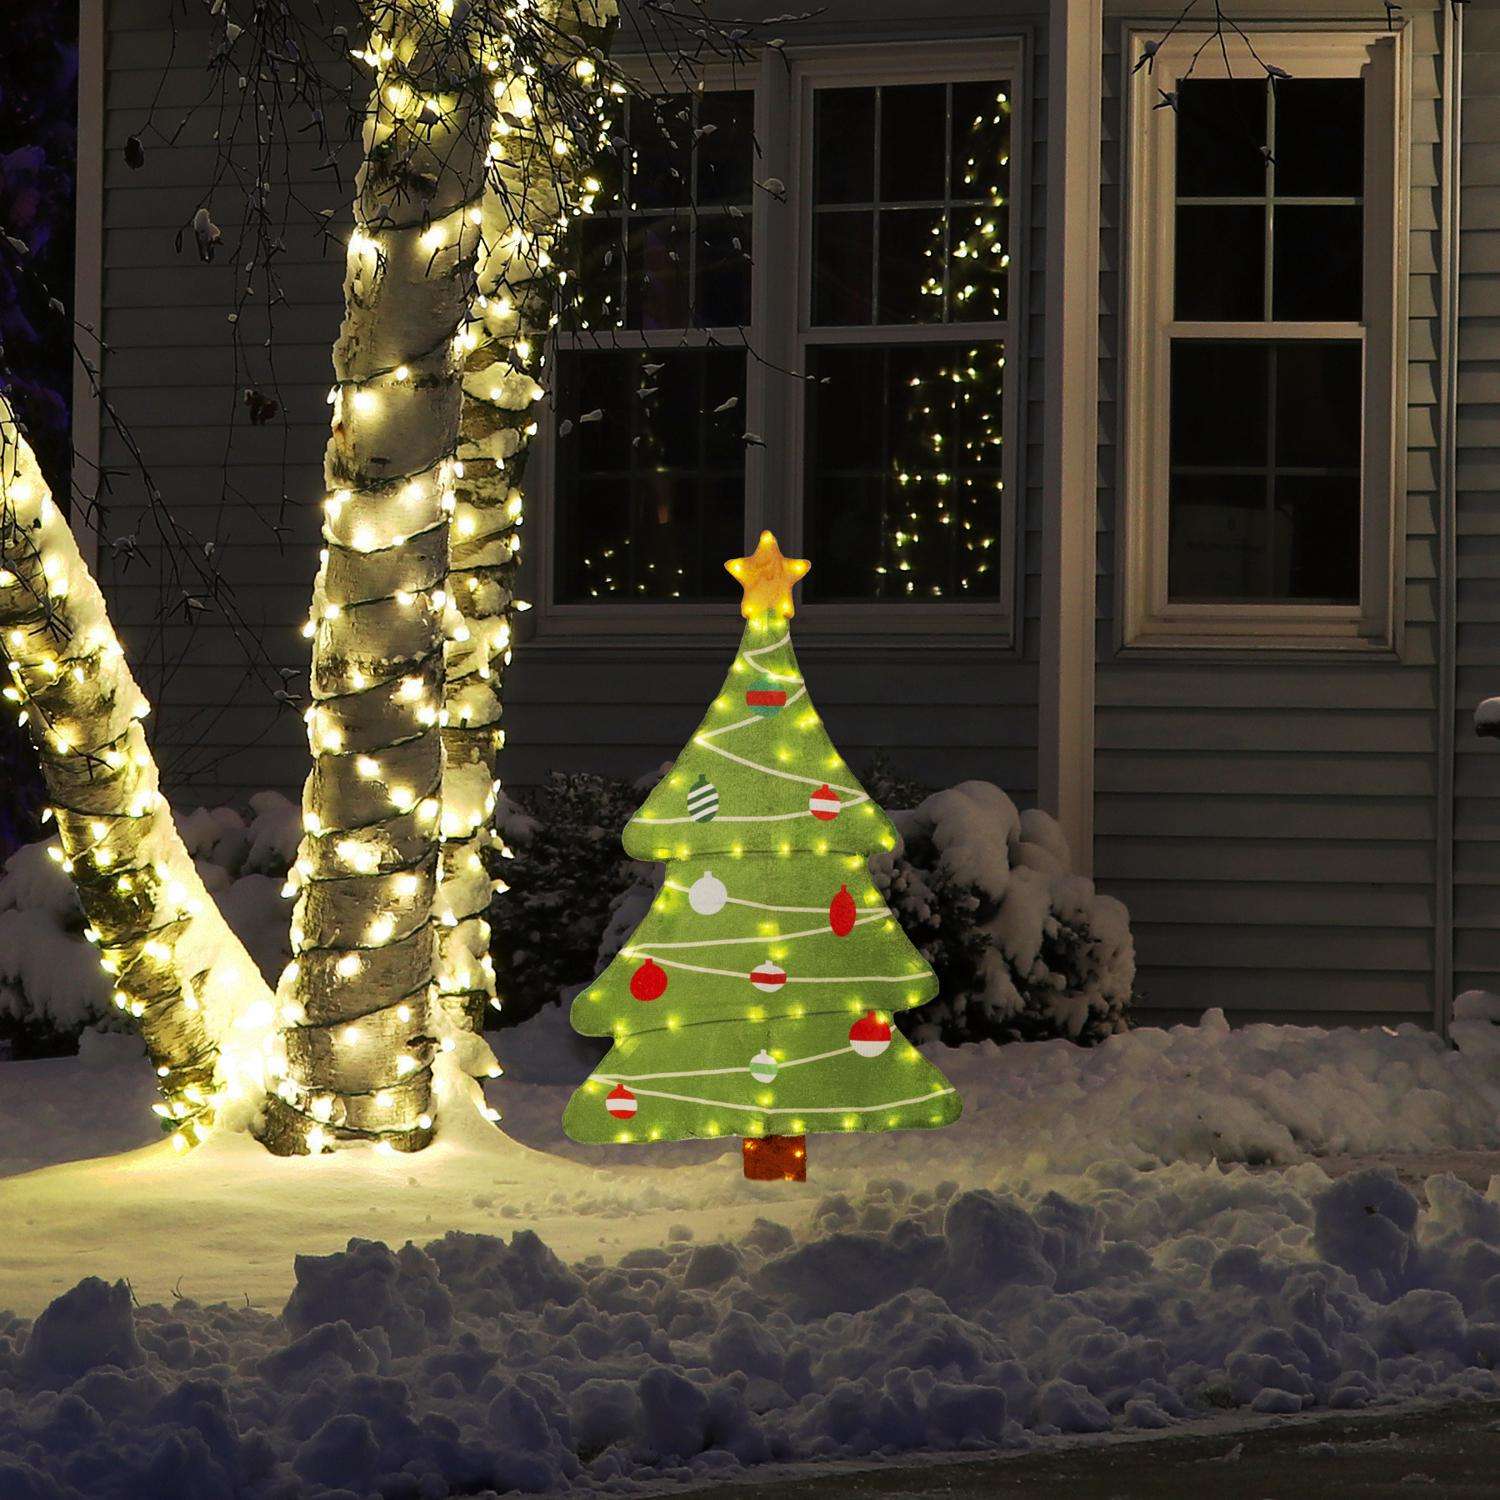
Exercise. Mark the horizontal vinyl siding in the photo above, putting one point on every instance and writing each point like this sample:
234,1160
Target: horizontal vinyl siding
1272,826
1476,896
942,710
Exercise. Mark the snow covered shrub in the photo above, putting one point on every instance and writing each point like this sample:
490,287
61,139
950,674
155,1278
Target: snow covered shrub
51,985
565,878
1024,948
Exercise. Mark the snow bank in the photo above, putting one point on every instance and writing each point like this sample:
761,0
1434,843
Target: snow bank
899,1319
50,979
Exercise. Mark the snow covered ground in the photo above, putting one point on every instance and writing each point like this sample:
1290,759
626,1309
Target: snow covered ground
1110,1239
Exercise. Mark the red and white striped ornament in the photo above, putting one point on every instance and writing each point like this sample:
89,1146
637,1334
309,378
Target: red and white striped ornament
824,804
620,1102
870,1036
768,976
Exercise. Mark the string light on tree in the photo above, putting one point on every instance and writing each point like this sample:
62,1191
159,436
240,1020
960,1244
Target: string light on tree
771,963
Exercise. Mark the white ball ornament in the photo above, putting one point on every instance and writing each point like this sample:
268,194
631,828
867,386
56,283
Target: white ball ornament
707,894
764,1067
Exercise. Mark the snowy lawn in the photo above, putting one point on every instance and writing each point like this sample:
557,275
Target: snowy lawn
1086,1250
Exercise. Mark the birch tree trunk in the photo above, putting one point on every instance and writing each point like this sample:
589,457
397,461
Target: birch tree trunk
539,182
178,969
358,994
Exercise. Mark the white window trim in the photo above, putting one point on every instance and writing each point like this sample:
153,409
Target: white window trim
777,335
943,62
1147,621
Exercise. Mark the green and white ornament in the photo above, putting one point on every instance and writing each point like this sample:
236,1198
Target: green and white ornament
764,1067
702,800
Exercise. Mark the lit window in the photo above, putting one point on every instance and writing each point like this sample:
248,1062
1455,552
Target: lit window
649,407
910,230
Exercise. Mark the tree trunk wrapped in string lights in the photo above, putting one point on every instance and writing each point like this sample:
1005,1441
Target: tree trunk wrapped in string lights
356,999
178,969
539,182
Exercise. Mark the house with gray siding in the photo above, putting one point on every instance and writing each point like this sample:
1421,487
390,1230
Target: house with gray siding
1141,418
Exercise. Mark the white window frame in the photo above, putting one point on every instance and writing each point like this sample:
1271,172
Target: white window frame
1148,620
777,337
893,65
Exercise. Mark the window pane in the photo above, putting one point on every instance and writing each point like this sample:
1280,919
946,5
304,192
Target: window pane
1317,538
1217,538
723,272
981,142
913,129
597,301
1265,465
651,490
1221,135
661,139
911,266
843,261
1219,403
1320,137
978,260
1221,256
658,284
726,147
904,471
844,146
1318,270
1318,406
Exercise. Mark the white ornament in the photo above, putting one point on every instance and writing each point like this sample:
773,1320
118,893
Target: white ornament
707,894
764,1067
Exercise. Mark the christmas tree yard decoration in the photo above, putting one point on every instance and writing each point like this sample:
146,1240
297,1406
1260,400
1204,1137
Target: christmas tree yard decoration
755,998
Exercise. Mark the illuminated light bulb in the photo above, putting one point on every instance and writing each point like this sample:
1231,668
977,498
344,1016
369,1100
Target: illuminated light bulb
347,966
403,1012
403,372
317,1138
406,884
367,767
382,927
405,1065
383,1099
424,1122
349,1036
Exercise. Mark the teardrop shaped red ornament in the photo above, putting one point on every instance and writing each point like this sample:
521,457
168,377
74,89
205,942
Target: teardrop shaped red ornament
649,982
841,913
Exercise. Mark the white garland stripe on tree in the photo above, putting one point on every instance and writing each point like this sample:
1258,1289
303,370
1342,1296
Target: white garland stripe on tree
855,794
784,1109
725,942
862,911
781,1065
677,963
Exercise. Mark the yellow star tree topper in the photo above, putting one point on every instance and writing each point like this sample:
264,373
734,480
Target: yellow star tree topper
767,578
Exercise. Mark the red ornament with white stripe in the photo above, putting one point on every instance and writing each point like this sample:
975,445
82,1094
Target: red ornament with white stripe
620,1102
768,976
870,1036
824,804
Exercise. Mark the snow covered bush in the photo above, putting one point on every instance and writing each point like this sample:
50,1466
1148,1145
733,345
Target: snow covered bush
1024,948
51,985
566,875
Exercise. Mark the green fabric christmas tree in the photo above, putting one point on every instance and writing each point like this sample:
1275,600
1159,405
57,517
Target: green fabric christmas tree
755,998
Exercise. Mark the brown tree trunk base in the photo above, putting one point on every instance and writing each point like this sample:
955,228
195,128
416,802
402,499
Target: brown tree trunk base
776,1158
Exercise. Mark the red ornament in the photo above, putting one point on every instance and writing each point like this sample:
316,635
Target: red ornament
620,1102
768,976
841,913
870,1036
824,804
649,982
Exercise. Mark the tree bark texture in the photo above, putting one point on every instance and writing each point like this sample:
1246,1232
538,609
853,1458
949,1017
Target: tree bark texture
177,967
357,1000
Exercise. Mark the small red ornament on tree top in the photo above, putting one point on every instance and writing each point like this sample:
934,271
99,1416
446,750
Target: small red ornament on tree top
649,982
842,913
